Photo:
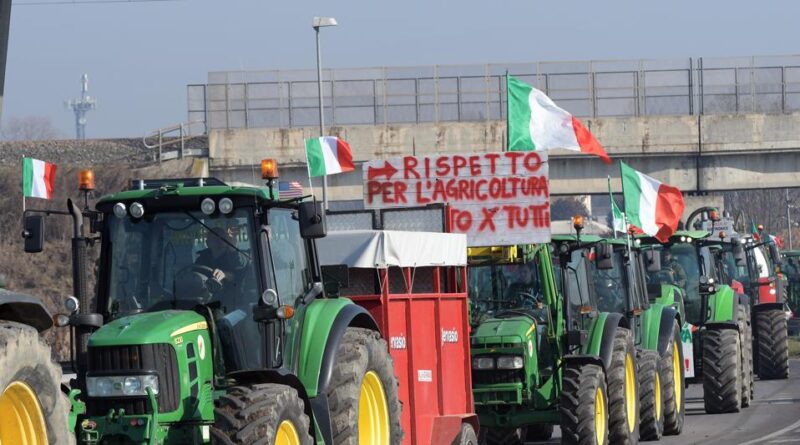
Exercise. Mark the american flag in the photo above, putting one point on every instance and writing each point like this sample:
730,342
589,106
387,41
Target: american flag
291,189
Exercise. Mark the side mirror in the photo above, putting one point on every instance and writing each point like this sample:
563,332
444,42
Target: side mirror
739,256
604,252
774,254
312,220
652,259
34,233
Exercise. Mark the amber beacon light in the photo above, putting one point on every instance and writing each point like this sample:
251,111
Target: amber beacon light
86,180
269,169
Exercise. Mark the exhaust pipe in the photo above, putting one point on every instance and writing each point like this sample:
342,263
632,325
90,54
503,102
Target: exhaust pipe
80,285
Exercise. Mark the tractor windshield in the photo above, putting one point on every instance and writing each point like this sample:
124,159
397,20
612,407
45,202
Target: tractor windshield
574,283
497,287
177,260
680,266
610,285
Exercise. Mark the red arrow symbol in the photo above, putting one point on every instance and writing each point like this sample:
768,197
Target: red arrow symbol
387,170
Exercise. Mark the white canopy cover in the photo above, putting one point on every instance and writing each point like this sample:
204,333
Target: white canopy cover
384,248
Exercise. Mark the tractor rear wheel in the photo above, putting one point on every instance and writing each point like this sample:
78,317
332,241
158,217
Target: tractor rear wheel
722,364
746,339
623,395
773,346
362,394
539,431
33,409
584,405
651,403
253,413
672,383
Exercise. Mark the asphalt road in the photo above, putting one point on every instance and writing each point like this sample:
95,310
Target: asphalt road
772,418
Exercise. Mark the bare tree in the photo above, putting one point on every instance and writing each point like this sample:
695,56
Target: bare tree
30,128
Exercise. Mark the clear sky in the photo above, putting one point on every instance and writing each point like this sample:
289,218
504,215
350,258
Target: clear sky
141,56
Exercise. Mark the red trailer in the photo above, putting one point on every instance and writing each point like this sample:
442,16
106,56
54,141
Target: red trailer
413,284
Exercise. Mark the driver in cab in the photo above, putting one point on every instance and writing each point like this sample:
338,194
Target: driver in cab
221,255
525,287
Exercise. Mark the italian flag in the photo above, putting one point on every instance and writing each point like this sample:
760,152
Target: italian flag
536,123
38,178
328,155
652,206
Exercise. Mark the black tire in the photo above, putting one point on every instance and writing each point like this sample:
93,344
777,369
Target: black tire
722,386
539,432
360,352
253,414
582,385
623,420
651,402
25,359
466,436
746,339
672,391
503,436
773,344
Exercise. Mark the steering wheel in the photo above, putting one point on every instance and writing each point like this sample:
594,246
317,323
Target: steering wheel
212,284
526,296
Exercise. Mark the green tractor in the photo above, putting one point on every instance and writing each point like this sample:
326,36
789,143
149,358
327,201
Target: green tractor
542,354
32,409
716,323
211,325
653,311
791,269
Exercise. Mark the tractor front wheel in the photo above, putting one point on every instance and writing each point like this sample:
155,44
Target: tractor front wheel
672,383
746,339
251,414
584,405
772,343
651,403
33,410
722,364
362,394
623,394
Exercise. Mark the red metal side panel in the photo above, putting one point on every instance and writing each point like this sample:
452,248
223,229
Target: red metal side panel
424,377
454,339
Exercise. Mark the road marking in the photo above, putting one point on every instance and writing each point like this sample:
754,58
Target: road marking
775,434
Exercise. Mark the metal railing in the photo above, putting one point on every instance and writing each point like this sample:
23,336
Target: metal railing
171,141
471,93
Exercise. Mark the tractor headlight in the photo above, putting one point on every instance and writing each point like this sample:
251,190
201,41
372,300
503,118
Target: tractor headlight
482,363
509,362
123,385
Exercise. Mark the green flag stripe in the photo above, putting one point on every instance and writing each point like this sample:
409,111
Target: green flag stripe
27,176
519,115
631,193
316,161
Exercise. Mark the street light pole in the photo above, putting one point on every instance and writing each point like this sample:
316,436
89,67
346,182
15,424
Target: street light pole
318,23
789,218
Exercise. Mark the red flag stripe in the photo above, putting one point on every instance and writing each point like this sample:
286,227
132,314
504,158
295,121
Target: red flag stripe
588,142
669,208
344,156
49,178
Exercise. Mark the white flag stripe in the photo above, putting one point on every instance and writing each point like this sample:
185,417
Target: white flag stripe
330,152
39,187
551,126
647,203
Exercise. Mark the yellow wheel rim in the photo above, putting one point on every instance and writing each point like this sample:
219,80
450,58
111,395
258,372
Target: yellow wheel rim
600,416
630,392
373,412
21,416
287,434
658,397
676,376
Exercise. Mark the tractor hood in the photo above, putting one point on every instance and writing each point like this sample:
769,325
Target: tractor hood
145,328
506,331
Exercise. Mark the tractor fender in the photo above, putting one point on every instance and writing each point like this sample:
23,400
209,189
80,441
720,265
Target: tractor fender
665,334
24,309
583,359
722,325
722,305
601,342
326,320
767,307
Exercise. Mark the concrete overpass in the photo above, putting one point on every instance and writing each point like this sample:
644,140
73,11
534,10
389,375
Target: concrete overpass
702,153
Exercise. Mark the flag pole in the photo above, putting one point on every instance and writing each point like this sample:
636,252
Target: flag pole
613,204
508,133
23,187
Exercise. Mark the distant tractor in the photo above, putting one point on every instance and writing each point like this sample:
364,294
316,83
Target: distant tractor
542,352
654,313
716,333
33,410
211,324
